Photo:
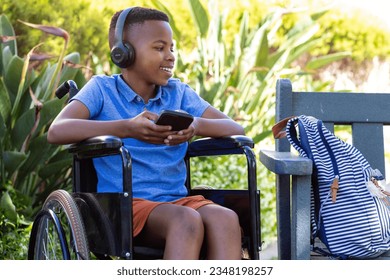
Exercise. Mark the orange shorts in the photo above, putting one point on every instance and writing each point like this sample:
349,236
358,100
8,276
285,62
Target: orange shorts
142,208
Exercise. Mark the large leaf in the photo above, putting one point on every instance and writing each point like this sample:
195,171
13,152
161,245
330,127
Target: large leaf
3,129
12,160
12,77
6,58
24,85
243,34
6,32
302,49
49,111
200,17
263,50
38,154
5,103
8,207
321,61
44,81
69,71
176,31
22,128
55,168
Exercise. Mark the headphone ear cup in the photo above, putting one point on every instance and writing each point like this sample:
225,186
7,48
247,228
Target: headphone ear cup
122,55
131,53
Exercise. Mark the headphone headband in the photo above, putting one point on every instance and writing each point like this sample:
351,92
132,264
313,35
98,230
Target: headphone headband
122,54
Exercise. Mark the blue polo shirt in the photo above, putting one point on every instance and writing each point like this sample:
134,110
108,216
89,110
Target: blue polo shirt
159,171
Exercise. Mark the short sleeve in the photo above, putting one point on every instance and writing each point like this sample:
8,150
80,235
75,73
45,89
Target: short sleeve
192,103
90,95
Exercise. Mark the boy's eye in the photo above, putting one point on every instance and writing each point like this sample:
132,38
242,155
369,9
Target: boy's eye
161,48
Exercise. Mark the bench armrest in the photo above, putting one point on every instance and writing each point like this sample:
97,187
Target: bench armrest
219,146
286,163
98,146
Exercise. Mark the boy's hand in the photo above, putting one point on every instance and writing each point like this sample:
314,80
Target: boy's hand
182,135
143,128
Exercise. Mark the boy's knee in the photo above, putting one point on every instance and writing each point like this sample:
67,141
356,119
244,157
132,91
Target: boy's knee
188,222
231,217
224,217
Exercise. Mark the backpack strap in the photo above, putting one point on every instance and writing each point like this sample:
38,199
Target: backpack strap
278,129
335,185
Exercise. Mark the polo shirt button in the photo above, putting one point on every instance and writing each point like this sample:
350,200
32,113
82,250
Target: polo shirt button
138,99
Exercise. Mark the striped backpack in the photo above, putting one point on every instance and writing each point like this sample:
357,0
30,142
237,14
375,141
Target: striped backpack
350,208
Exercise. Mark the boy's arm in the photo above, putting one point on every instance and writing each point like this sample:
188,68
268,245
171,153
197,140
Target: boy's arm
214,123
73,125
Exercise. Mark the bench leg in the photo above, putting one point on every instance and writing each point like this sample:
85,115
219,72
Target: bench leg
300,218
283,216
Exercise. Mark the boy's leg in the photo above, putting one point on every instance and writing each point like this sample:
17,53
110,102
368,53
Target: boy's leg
223,232
178,228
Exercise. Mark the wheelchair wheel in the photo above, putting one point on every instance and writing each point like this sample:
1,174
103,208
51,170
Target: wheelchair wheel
58,230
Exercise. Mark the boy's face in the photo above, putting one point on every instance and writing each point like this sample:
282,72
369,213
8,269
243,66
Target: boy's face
153,44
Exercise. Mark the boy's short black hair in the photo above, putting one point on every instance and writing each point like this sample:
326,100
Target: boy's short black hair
136,15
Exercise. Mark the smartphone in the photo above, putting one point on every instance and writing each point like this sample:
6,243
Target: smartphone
179,120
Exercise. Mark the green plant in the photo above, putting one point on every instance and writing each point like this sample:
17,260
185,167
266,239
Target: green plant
14,228
29,167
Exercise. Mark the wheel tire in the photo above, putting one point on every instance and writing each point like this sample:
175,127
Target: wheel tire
58,232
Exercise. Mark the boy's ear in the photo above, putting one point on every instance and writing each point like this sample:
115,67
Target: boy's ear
122,53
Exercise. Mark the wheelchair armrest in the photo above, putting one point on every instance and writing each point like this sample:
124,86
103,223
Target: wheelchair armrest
219,146
286,163
96,147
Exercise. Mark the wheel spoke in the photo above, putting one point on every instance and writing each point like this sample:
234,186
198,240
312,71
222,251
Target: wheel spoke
58,225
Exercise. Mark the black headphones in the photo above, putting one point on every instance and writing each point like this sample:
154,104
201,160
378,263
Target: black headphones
122,53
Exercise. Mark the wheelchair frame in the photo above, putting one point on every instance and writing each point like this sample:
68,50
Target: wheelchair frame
86,221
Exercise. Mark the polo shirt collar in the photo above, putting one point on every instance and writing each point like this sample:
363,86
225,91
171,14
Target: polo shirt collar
129,94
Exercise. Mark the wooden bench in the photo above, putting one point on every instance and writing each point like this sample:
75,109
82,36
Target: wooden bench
366,113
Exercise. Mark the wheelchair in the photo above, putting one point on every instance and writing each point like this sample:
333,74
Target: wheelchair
85,224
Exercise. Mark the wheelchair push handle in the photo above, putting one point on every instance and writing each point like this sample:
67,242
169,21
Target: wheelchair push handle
66,87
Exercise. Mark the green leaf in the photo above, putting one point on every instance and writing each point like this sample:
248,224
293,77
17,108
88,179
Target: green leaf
12,160
38,154
22,128
68,72
12,77
302,49
8,207
44,81
325,60
3,129
6,29
49,111
243,33
5,103
176,31
263,51
200,17
7,56
55,168
318,14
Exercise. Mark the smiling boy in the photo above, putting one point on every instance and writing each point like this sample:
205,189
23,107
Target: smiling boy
127,105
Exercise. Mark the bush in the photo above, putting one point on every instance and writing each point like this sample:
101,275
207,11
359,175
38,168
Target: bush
29,167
